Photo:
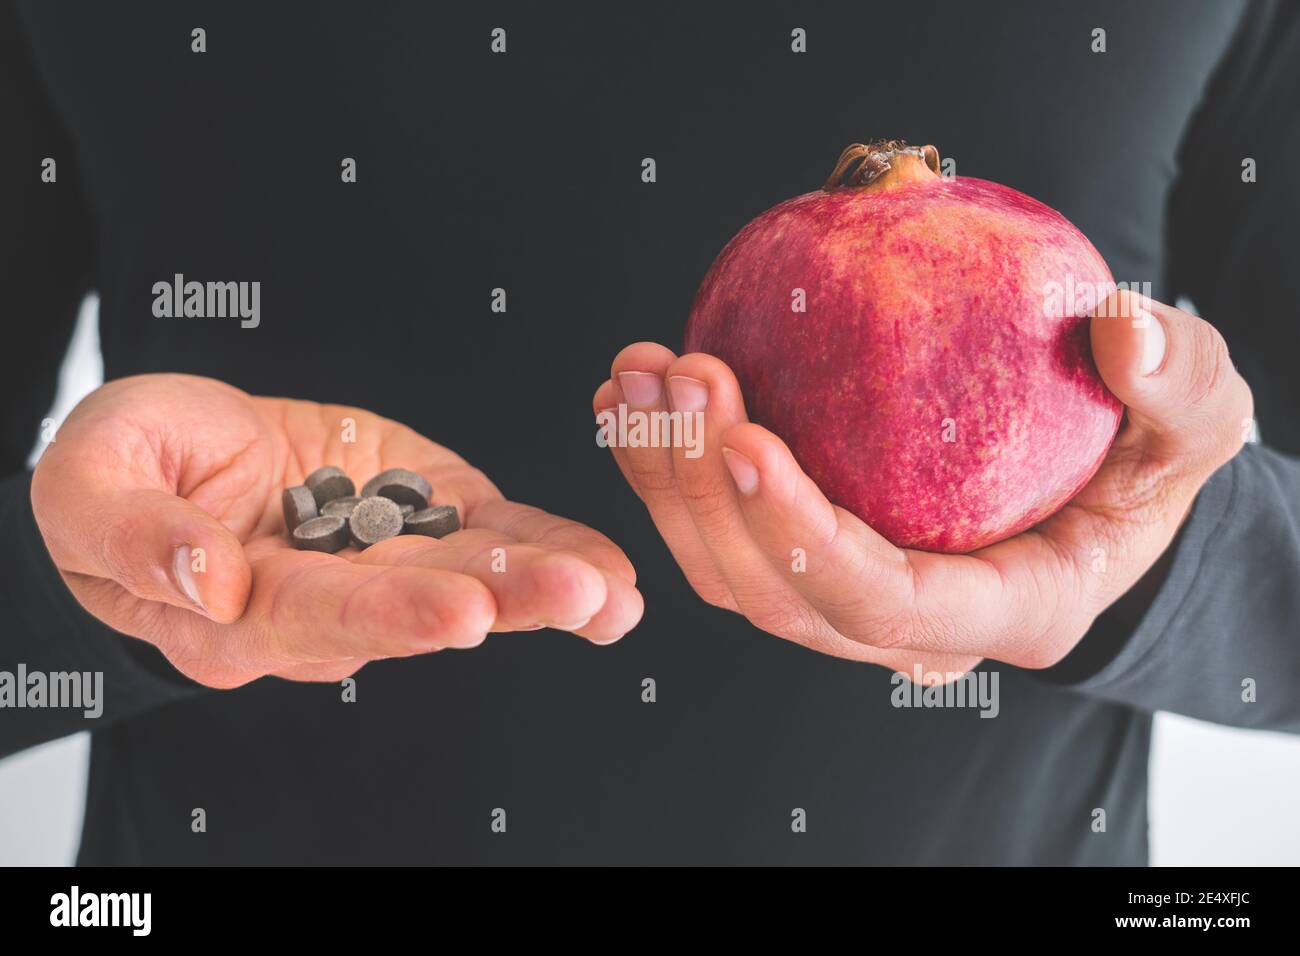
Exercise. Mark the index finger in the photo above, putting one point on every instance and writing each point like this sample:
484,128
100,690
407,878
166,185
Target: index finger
315,608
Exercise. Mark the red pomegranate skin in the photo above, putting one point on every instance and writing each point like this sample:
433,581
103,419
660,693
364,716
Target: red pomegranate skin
928,316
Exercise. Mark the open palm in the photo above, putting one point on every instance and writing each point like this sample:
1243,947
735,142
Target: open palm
159,503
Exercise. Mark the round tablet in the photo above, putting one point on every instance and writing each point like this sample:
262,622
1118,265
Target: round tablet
299,506
375,519
401,485
329,483
436,522
326,533
340,506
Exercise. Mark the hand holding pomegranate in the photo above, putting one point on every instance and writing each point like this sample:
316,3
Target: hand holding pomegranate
754,534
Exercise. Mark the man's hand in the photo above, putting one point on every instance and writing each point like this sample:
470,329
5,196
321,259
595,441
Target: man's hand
734,516
154,476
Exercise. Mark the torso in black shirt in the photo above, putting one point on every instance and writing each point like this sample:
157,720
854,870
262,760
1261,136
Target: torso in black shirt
522,171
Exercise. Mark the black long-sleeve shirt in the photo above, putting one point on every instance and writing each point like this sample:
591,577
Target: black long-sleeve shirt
521,170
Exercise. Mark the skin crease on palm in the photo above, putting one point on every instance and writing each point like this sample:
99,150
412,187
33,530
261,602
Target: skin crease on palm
146,469
734,515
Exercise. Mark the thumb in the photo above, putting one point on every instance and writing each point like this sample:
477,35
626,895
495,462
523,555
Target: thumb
1185,400
157,546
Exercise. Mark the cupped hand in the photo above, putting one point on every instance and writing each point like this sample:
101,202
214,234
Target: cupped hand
159,502
753,533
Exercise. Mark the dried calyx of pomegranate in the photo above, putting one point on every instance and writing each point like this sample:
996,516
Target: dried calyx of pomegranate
882,162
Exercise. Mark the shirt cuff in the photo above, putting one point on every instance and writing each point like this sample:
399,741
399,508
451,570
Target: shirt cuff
1210,515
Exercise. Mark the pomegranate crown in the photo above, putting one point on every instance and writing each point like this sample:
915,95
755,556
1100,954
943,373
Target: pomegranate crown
866,164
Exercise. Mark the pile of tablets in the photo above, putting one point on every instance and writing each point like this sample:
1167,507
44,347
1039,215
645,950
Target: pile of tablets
325,513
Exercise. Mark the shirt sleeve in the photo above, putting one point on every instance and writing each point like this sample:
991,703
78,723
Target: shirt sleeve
1220,639
47,251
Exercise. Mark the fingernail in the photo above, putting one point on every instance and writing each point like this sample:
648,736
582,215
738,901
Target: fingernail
612,640
641,388
184,575
743,472
1153,344
688,394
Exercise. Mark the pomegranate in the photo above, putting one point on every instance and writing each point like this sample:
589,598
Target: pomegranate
910,336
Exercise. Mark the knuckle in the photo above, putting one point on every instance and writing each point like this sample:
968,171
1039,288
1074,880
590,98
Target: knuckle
278,616
902,630
1038,655
203,670
1048,647
782,617
714,593
706,499
1211,366
1238,419
696,486
1227,405
221,664
333,673
1137,492
43,484
116,542
936,670
1137,479
347,669
652,478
